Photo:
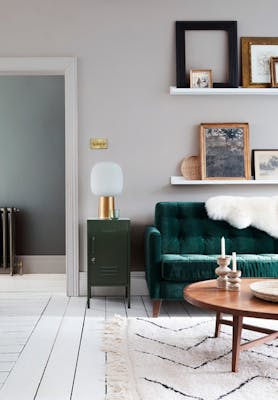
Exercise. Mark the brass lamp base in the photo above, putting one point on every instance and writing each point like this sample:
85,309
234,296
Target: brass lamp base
106,207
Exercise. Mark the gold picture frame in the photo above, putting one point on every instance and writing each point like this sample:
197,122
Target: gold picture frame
201,78
224,151
256,53
274,71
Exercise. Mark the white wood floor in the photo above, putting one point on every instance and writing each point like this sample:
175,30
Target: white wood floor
50,345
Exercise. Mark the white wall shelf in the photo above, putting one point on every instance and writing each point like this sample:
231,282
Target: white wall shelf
174,91
179,180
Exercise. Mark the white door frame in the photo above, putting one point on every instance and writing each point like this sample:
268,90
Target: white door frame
66,66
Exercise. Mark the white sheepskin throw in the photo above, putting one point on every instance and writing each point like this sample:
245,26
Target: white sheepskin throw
241,212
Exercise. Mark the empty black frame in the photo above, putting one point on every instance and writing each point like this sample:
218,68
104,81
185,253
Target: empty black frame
229,26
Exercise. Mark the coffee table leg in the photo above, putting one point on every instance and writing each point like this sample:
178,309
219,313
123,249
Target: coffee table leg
237,328
217,323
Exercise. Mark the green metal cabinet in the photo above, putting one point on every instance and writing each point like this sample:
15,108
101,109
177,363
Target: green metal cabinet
108,243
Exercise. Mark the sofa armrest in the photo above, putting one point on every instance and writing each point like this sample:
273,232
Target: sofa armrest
153,260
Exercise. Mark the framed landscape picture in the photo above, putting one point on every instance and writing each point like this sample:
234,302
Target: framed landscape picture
265,164
224,150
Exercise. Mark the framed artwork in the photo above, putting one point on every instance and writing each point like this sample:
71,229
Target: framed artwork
201,78
274,71
224,150
229,26
265,164
256,54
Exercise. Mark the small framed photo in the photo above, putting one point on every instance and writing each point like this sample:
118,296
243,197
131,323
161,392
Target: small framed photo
274,71
265,164
256,55
224,150
201,78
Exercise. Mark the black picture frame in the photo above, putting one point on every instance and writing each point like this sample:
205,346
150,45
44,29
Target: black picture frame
230,27
274,170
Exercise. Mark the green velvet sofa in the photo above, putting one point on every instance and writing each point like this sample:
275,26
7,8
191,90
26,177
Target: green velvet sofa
184,243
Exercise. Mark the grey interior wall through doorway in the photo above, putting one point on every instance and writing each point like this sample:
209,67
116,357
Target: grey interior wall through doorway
32,160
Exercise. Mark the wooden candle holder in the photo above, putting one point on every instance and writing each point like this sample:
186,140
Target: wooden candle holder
234,281
222,271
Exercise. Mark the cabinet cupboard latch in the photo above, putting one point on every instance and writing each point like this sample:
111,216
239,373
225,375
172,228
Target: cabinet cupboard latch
93,259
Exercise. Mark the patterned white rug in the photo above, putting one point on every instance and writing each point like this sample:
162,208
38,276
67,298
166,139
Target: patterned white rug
178,358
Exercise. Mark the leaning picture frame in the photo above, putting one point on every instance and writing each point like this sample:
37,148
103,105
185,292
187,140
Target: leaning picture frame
274,71
201,78
256,53
265,164
230,27
224,150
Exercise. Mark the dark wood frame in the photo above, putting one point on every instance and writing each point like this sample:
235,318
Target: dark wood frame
253,170
229,26
246,43
225,125
273,75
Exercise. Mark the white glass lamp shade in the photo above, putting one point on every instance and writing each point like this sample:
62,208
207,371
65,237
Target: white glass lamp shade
106,179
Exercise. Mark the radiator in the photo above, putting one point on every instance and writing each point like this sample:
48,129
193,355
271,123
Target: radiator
9,261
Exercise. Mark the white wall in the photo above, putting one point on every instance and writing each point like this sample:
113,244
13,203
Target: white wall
126,63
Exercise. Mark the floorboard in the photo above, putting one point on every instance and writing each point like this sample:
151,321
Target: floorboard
33,283
3,376
58,377
148,306
6,366
175,308
62,359
115,305
90,371
98,307
11,357
196,311
23,381
137,308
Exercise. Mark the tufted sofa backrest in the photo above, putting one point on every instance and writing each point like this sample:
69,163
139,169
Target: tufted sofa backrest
186,229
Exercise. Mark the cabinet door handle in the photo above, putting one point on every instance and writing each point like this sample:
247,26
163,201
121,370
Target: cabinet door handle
93,244
93,259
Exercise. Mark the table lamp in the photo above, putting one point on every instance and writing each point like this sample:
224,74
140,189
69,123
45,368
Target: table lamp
106,182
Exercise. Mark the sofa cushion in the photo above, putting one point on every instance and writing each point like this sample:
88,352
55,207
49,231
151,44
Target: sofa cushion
197,267
186,229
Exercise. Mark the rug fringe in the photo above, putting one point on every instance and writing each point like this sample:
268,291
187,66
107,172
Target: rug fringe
119,377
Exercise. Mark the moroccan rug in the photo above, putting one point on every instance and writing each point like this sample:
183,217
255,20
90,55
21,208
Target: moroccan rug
178,358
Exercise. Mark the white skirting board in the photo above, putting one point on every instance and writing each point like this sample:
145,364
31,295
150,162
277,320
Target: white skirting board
43,264
138,286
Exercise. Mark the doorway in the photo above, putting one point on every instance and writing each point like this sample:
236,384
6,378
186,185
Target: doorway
67,68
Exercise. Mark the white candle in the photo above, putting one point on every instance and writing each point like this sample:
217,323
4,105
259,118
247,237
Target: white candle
234,260
223,247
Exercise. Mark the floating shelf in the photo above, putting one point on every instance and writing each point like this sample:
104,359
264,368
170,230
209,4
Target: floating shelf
174,91
179,180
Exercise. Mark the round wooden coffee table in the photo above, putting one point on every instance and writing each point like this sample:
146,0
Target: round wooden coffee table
239,304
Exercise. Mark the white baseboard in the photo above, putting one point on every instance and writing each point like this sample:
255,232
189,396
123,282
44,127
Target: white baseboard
138,286
43,264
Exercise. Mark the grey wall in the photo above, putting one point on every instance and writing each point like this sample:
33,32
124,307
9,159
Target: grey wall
126,63
32,158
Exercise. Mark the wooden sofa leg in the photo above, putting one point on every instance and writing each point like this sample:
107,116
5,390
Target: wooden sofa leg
156,307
